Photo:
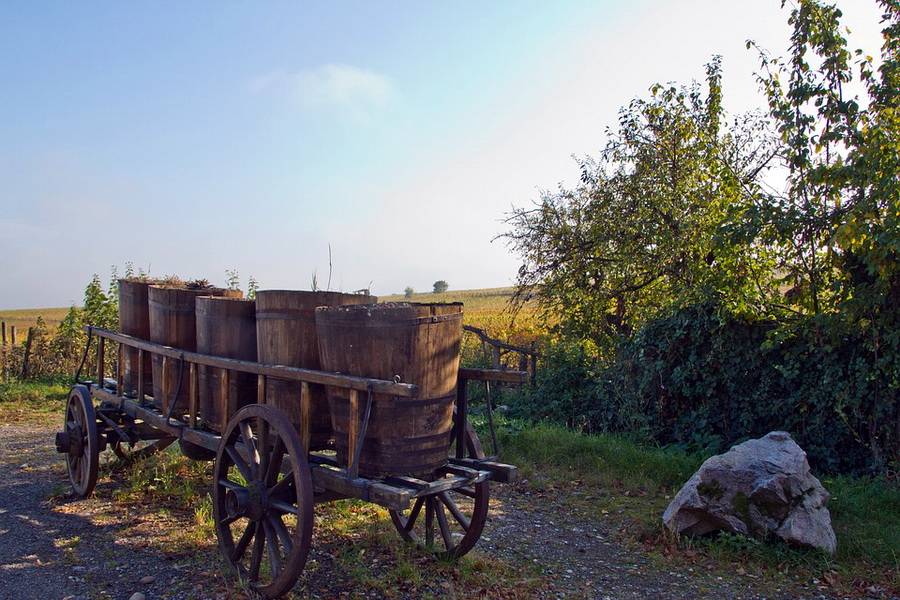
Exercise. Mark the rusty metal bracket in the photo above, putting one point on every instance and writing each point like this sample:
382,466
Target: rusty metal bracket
87,347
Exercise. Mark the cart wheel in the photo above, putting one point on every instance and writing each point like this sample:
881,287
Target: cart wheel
80,442
467,508
131,452
263,500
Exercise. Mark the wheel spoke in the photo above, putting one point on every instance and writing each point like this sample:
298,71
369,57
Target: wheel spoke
283,535
229,520
242,544
284,507
413,514
275,460
256,558
226,483
250,444
239,463
454,510
442,523
280,487
272,547
263,429
429,522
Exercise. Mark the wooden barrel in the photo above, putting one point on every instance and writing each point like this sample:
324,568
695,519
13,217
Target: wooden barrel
134,319
419,343
173,323
286,335
225,327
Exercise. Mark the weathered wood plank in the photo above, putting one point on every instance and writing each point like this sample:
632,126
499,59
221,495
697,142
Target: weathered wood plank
493,375
404,390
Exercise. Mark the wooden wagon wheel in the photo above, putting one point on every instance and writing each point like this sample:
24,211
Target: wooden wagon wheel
263,499
80,442
460,513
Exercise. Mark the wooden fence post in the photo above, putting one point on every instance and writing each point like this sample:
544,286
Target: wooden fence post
3,352
12,335
28,340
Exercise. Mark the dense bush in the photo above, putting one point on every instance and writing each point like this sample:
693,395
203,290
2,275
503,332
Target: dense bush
704,381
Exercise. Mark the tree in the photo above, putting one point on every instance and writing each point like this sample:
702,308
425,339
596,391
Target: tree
440,286
834,226
408,292
642,232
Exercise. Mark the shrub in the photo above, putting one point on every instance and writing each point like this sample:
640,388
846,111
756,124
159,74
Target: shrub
702,380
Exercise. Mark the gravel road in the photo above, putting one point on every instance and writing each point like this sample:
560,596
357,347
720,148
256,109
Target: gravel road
53,546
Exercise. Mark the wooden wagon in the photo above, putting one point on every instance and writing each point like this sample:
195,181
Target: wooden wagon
266,478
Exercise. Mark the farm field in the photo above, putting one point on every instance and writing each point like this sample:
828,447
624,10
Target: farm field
24,318
487,308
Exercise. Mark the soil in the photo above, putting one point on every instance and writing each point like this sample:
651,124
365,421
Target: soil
54,546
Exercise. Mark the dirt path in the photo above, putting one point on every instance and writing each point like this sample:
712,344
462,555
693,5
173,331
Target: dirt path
53,546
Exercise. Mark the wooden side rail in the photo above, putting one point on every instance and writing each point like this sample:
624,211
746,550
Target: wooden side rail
495,375
362,384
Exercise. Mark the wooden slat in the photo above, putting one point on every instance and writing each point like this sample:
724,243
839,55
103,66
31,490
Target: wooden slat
500,472
230,402
193,397
352,432
378,386
120,370
450,483
100,361
260,389
385,495
493,375
305,416
163,402
461,416
140,376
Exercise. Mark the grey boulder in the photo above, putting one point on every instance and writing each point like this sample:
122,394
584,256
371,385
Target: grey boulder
758,488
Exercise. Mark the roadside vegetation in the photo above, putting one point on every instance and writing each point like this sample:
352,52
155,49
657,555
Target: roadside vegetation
611,477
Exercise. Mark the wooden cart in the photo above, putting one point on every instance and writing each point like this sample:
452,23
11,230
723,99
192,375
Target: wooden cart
266,480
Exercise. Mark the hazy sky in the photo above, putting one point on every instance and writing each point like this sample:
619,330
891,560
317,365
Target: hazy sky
190,138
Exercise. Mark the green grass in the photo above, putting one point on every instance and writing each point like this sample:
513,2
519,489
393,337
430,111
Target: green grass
608,477
622,480
38,401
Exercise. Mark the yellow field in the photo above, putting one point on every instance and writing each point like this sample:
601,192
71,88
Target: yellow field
486,308
24,318
489,309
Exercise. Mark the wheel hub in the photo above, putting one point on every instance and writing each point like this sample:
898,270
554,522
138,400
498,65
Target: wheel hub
70,441
250,502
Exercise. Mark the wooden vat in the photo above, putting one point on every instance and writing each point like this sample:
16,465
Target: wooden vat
419,343
286,335
173,323
134,319
225,327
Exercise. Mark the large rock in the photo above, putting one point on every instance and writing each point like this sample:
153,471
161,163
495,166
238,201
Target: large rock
757,488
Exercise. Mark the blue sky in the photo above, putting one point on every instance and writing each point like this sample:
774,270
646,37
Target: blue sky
198,137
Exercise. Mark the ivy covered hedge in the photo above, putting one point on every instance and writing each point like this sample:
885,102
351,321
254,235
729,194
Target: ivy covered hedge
701,380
